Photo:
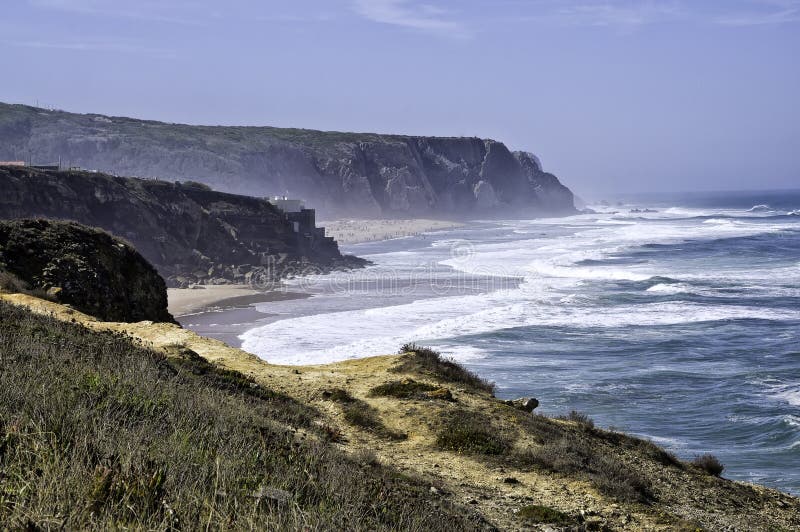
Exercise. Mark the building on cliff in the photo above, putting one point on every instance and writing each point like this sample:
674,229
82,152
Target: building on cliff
287,205
309,236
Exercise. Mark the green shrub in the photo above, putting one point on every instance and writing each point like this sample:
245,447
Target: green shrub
535,513
570,455
358,413
11,283
405,389
580,418
425,359
709,463
467,432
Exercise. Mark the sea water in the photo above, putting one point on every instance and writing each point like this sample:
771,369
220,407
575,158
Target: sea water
680,325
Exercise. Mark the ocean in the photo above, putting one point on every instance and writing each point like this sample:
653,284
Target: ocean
675,318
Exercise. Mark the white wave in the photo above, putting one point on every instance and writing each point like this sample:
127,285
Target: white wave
719,221
552,292
792,420
461,353
787,393
613,221
669,289
759,208
670,443
352,334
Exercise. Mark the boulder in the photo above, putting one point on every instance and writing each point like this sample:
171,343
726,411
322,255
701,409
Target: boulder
526,404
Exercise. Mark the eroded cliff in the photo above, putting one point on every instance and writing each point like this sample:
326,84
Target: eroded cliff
338,173
190,233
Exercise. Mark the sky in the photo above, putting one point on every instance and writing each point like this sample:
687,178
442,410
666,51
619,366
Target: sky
612,95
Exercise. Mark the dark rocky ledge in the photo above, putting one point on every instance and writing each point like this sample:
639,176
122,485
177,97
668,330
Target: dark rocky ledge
189,232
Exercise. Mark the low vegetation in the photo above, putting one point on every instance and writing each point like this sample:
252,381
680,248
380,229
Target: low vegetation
432,362
411,389
358,413
535,513
580,418
470,432
13,284
709,463
571,455
99,433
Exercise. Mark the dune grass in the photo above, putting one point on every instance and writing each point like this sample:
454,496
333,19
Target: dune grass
99,433
432,362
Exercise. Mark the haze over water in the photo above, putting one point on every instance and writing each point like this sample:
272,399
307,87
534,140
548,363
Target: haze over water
681,325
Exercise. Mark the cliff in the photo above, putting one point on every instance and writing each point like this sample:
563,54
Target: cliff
190,233
338,173
83,267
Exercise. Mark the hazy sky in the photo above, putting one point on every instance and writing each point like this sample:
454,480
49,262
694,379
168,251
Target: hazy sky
611,94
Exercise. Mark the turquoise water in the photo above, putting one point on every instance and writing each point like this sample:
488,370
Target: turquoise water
680,325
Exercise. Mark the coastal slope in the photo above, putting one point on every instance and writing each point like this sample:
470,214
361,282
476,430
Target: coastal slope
340,174
459,457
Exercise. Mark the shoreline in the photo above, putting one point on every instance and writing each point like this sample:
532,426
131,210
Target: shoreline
184,302
347,232
208,298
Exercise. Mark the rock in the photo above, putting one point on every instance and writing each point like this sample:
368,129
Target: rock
526,404
84,267
485,198
189,234
443,394
435,491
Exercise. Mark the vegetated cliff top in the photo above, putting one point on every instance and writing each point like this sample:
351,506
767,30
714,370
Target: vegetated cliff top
429,446
81,266
339,173
190,233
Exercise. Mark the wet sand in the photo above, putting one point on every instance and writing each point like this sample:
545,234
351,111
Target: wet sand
187,301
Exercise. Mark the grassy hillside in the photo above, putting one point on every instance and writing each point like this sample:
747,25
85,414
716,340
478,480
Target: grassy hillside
97,432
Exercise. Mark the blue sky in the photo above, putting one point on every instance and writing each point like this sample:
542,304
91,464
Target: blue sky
613,95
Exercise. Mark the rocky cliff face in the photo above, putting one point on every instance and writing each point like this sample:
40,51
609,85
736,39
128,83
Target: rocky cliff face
338,173
84,267
190,233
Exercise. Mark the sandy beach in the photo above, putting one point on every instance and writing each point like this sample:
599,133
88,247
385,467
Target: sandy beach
357,231
182,301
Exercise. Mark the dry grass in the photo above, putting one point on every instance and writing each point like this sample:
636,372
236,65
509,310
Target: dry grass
98,433
709,463
571,455
535,513
469,432
433,363
411,389
360,414
583,420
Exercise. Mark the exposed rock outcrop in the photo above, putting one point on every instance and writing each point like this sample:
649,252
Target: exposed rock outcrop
338,173
190,233
84,267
